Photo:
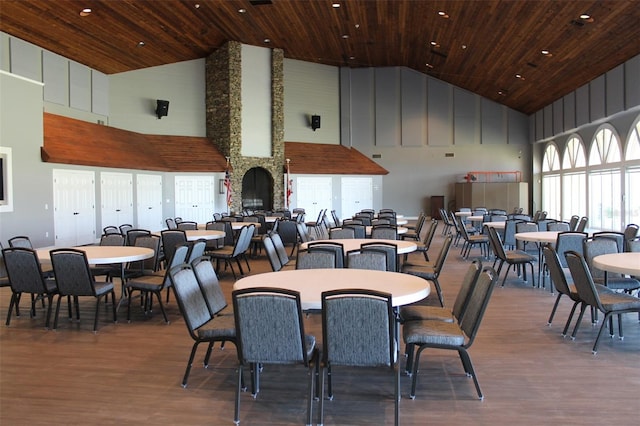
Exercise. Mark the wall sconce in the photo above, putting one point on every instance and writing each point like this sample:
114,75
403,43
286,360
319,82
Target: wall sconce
315,122
221,186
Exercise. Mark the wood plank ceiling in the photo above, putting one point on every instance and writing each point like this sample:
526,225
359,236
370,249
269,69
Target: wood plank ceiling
478,45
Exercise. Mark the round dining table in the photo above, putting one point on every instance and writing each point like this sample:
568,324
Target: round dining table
497,225
404,288
104,255
399,230
623,263
204,234
348,244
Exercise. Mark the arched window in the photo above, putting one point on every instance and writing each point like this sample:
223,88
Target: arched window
574,179
551,194
605,192
632,172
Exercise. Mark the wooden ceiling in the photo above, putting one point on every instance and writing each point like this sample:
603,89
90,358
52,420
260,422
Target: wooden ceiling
480,45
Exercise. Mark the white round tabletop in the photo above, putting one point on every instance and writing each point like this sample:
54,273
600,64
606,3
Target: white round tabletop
475,218
101,255
239,225
624,263
354,243
401,221
404,288
538,237
203,234
497,225
463,213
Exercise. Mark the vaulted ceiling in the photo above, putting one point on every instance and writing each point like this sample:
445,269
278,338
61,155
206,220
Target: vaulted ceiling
490,47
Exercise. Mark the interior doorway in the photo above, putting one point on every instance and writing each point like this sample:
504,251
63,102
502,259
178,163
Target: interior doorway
257,189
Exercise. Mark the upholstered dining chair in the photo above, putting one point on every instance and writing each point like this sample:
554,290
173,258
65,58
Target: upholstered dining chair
384,232
203,325
450,335
358,330
367,259
330,246
318,259
512,258
338,232
270,330
603,245
24,274
74,279
430,271
390,250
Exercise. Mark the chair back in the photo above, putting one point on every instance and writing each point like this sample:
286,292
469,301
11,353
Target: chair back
466,287
630,232
244,240
390,250
496,244
151,264
132,234
364,217
337,233
112,240
191,301
196,250
525,227
124,228
288,232
593,247
384,232
187,225
20,241
209,284
360,231
317,259
368,259
559,226
573,222
510,233
303,232
569,241
269,327
428,236
582,224
442,255
170,240
618,237
23,270
72,272
477,305
171,223
110,230
280,249
335,218
634,245
179,257
583,279
358,328
554,264
272,253
543,224
332,247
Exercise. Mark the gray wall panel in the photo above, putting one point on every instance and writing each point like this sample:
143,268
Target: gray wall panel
597,98
569,110
539,123
558,116
517,128
362,114
582,105
494,129
55,75
547,113
99,93
79,86
466,117
25,59
440,126
615,90
632,82
413,107
387,112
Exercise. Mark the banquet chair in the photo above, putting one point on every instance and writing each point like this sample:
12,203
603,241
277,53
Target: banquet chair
472,240
511,258
431,272
171,239
634,245
338,232
416,233
609,303
110,230
630,232
364,217
4,279
203,326
154,284
446,220
335,218
368,259
526,227
423,247
390,250
237,252
418,312
272,254
24,274
566,241
149,266
451,335
596,246
124,228
318,259
288,231
368,340
113,270
171,223
384,232
187,225
559,226
333,247
210,286
318,224
509,234
20,241
132,234
270,330
559,280
280,249
73,278
618,237
218,242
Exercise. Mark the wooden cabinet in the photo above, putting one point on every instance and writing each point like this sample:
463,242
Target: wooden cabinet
493,195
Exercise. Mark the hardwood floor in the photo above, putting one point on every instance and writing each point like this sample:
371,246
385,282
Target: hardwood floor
130,373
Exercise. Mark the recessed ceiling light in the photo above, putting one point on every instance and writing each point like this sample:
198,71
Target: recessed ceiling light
267,40
429,66
335,5
443,14
141,44
85,12
352,57
502,92
197,5
585,16
242,10
545,52
345,36
519,77
464,46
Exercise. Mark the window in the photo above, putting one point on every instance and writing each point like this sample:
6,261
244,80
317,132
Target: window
605,189
551,194
574,180
632,172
